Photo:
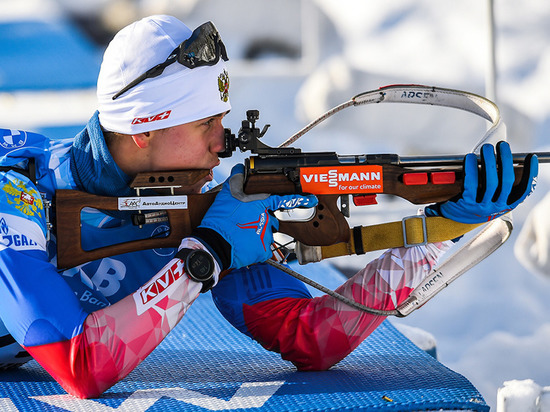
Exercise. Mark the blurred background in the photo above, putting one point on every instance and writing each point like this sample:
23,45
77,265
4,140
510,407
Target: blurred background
293,60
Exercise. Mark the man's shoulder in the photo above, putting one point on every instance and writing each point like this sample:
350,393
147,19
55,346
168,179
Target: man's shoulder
17,145
13,140
22,213
19,196
35,155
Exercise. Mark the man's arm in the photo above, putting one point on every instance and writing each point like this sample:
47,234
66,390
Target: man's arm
111,342
320,332
85,353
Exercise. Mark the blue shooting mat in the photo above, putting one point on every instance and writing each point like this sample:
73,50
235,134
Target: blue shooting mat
205,364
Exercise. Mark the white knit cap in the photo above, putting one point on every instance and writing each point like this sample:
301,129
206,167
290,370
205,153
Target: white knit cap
179,95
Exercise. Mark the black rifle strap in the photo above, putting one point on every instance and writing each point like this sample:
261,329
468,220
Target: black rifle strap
358,240
29,172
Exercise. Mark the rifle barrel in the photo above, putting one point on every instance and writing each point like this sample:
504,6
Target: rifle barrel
454,160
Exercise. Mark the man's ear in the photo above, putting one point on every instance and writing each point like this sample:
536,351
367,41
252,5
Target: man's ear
142,140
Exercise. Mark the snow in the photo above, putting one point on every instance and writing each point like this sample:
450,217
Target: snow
524,396
424,340
492,324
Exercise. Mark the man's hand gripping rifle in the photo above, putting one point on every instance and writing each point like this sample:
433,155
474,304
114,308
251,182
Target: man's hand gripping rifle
333,178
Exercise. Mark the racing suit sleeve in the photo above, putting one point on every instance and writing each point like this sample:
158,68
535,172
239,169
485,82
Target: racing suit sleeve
85,353
112,341
316,333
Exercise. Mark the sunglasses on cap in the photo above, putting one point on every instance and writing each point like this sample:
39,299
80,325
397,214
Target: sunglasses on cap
203,48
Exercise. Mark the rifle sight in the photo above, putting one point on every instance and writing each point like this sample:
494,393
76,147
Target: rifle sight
248,138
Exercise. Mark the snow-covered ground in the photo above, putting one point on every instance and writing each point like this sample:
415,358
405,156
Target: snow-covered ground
493,324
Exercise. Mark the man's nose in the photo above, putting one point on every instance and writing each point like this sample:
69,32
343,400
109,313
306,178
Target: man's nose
218,144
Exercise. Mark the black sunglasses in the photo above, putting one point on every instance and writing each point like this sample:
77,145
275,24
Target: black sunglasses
203,48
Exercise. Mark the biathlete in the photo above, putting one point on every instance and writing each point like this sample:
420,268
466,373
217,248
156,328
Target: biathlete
163,91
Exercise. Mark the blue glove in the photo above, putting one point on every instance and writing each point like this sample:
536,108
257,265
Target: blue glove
488,192
238,228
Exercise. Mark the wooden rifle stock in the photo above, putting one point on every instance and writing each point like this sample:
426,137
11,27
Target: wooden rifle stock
69,205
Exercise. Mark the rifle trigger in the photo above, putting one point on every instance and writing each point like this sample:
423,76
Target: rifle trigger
344,205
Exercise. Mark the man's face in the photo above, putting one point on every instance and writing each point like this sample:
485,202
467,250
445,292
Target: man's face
192,145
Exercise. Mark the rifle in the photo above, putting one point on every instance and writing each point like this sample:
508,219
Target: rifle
279,170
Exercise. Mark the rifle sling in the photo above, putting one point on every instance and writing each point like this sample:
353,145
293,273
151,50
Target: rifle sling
29,172
419,230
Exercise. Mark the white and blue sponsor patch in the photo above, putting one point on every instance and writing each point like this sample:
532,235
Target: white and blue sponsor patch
12,139
18,233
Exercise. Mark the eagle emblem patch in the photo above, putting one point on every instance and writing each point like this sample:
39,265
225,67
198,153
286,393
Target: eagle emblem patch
223,86
24,198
